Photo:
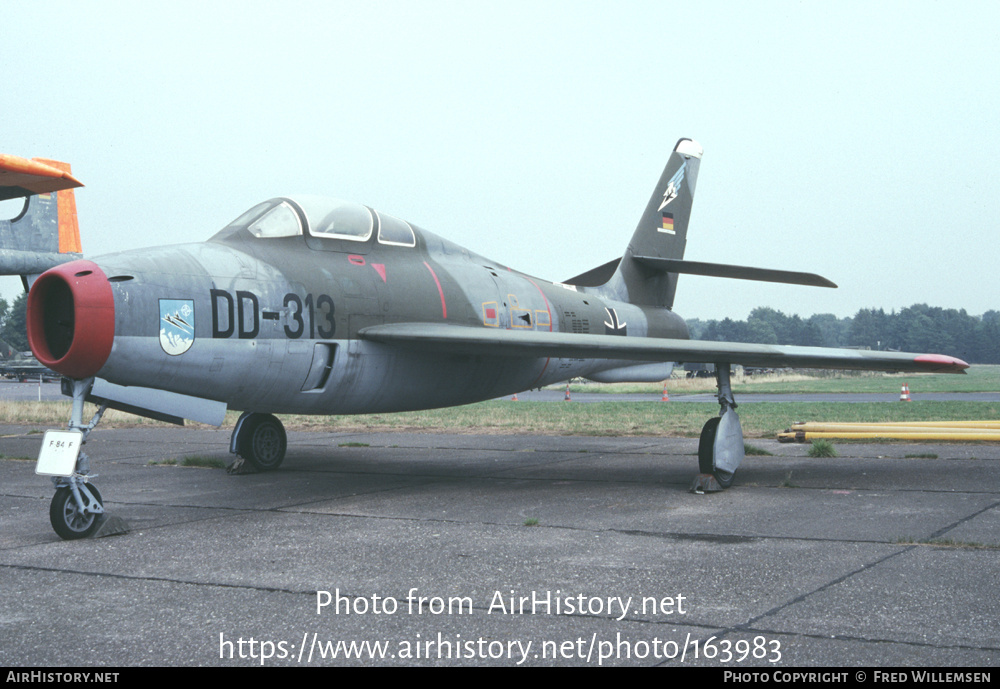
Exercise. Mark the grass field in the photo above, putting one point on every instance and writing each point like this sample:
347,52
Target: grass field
760,420
648,418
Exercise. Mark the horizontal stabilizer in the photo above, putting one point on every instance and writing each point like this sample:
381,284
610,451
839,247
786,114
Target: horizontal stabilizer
13,262
22,177
723,270
457,339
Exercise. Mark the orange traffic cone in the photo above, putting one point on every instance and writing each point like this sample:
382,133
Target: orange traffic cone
666,397
514,398
904,394
566,398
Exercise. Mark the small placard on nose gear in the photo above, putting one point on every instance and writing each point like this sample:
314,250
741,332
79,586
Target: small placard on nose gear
59,453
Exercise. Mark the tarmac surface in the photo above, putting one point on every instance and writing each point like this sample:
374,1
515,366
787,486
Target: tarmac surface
872,558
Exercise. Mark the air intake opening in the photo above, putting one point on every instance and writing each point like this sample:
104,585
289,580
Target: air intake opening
71,319
58,318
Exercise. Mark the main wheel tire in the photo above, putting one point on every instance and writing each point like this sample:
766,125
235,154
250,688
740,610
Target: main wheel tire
67,519
706,446
725,478
706,453
263,442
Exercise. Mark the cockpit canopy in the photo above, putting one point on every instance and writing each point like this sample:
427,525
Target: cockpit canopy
322,217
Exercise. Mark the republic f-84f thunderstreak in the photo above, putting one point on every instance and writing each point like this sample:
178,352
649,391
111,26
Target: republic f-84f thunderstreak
317,306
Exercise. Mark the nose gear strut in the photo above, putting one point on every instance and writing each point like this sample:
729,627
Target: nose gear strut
77,508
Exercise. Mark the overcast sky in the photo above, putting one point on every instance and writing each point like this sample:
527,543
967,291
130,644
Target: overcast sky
856,140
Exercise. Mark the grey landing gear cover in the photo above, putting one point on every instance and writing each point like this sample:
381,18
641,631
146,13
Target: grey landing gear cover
720,449
260,440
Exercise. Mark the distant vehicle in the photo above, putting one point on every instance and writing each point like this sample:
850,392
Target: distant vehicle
696,370
693,370
24,366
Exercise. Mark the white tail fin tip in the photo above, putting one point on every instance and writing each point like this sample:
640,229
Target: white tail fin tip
690,148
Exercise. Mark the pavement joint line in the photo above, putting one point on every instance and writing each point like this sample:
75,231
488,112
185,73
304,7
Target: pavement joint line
834,582
946,529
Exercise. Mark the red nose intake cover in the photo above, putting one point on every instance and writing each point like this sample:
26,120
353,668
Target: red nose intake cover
71,319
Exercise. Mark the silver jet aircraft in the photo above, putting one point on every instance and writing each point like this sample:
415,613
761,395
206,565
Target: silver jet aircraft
312,305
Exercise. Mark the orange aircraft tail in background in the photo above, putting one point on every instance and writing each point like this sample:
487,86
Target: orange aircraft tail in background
46,232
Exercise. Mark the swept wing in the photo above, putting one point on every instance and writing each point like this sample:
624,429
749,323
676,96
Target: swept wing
441,337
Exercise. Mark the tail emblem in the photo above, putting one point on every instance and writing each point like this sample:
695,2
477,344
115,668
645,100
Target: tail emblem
673,187
176,325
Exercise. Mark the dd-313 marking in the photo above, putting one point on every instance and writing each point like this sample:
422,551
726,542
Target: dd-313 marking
240,314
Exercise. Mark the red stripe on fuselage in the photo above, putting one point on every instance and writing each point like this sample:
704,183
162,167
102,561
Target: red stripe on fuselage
444,306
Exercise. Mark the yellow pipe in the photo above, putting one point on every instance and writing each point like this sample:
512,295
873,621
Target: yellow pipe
886,428
813,435
940,424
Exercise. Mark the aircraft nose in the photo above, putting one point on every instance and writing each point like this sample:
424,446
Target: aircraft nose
71,318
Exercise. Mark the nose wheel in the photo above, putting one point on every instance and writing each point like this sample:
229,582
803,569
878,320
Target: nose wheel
68,518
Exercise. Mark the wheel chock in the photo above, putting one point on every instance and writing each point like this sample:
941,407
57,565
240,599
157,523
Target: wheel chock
110,525
705,483
240,466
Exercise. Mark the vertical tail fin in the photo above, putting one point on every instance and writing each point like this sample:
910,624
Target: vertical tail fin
647,273
46,232
661,232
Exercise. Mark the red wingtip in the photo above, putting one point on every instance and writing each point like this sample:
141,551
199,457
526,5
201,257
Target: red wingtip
943,363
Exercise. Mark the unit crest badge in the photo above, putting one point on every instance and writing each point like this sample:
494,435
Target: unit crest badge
176,325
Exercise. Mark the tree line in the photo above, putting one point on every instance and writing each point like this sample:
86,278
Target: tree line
918,328
14,325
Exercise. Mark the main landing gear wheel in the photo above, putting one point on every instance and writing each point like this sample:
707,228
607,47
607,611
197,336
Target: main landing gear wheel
262,441
67,518
706,454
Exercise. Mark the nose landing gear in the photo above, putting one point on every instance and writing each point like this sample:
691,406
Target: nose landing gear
77,508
